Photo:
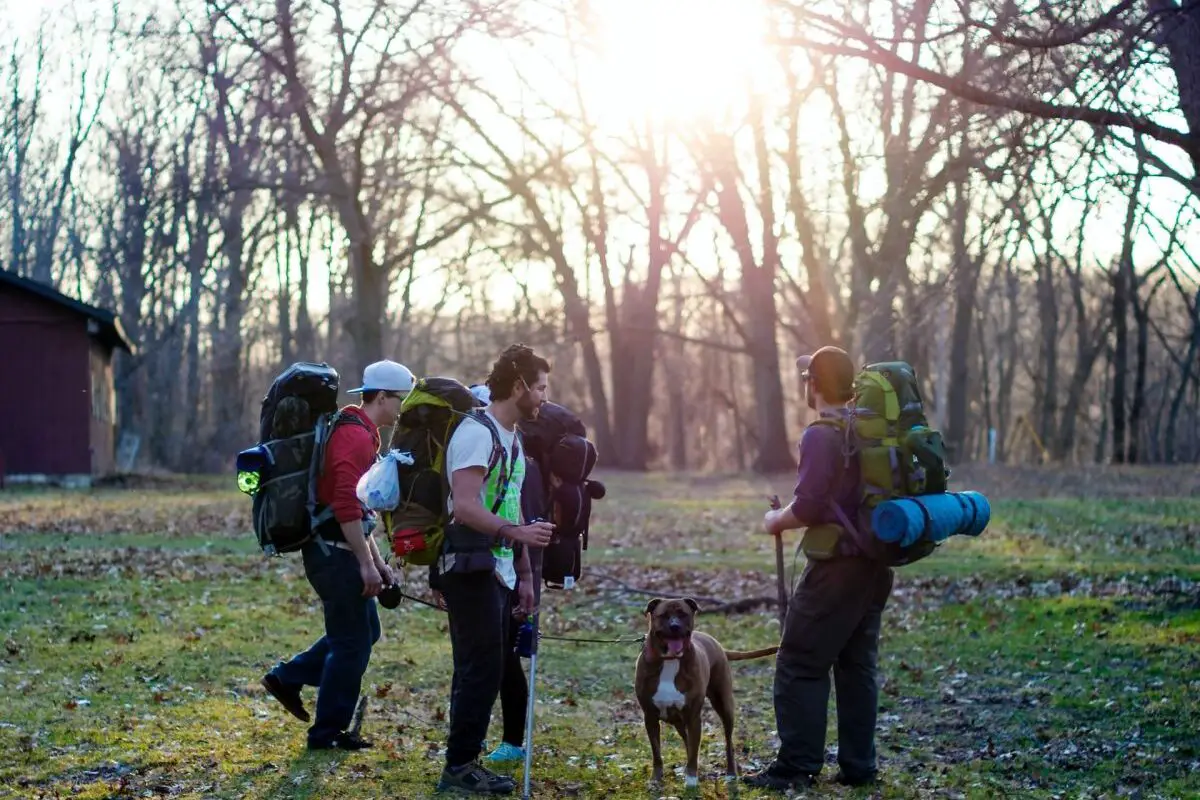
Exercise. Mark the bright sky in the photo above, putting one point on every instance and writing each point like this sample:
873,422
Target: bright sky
675,62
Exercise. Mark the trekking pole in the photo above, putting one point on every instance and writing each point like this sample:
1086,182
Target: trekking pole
533,650
359,712
779,569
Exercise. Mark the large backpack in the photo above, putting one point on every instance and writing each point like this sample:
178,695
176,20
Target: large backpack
299,414
428,417
557,441
900,455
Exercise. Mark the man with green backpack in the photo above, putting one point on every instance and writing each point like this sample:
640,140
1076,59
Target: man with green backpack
870,443
476,569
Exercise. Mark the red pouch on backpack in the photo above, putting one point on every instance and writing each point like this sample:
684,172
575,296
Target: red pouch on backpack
407,540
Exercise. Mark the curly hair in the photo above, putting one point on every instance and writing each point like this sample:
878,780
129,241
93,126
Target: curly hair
518,362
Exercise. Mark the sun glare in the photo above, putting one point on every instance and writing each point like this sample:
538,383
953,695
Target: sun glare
675,60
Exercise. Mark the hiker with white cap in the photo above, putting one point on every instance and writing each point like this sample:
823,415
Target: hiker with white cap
344,566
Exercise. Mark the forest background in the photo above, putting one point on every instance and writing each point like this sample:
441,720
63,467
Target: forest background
669,199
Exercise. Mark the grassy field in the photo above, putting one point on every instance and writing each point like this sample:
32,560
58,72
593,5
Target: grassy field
1058,655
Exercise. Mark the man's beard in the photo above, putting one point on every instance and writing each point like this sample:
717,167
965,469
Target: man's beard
528,409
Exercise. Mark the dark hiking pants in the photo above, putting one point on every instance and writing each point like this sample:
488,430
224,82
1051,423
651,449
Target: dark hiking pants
478,609
832,623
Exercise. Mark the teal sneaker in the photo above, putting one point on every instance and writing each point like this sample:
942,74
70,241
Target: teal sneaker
506,752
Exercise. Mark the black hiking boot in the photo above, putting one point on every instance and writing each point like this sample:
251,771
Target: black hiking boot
343,741
474,779
781,780
288,696
856,779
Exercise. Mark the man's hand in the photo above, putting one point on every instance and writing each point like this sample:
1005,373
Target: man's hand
385,573
372,580
769,521
536,534
439,599
525,597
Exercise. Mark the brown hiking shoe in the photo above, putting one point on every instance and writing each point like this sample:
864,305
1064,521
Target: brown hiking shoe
288,697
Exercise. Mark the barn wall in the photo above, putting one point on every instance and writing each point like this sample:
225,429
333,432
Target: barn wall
45,406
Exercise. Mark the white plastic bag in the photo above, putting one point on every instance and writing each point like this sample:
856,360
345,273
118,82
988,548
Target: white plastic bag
379,487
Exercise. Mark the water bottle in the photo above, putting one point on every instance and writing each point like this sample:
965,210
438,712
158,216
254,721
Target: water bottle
250,465
524,646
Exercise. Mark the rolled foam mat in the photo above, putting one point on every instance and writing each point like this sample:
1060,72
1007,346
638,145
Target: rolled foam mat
933,516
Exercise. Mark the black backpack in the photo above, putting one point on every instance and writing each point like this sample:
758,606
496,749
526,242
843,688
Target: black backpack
557,442
299,414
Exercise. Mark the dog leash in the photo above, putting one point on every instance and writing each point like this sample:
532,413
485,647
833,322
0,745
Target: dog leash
625,640
577,640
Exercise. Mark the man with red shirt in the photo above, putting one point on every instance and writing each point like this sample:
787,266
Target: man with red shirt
345,568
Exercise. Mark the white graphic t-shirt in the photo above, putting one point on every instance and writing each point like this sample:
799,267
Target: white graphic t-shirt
471,446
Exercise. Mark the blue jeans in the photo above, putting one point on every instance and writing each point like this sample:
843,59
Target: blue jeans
336,662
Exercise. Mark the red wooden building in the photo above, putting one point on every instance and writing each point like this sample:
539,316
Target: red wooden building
57,404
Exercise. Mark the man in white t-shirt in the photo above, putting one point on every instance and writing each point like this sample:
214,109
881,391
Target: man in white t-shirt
486,466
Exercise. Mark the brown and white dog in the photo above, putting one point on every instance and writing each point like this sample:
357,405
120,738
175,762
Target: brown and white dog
678,667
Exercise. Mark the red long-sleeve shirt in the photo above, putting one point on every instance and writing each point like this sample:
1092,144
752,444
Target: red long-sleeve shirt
349,454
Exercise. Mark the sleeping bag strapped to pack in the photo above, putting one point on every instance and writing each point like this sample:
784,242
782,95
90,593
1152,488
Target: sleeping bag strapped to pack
428,417
557,442
299,414
899,454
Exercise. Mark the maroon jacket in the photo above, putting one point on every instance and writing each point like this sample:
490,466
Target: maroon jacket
826,473
349,454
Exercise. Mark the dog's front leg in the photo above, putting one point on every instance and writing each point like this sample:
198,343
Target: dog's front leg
654,734
692,739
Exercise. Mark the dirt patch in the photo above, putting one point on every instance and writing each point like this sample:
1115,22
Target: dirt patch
138,562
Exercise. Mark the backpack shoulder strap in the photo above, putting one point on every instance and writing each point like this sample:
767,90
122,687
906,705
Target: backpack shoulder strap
506,462
323,433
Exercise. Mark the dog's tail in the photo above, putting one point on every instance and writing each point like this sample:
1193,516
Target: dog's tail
746,655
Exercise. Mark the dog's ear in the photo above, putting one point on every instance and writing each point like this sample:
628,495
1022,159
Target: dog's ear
694,605
653,604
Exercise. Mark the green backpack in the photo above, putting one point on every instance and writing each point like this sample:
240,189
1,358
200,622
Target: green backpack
428,418
900,455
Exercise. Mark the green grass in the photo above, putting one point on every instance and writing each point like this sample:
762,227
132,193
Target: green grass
1058,655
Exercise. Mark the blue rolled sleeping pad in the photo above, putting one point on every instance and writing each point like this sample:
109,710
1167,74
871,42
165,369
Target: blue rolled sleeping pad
936,517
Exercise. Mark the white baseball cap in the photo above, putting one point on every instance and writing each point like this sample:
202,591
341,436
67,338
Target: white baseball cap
386,376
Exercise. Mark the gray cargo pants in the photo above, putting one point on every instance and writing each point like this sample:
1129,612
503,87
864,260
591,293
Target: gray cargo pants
832,622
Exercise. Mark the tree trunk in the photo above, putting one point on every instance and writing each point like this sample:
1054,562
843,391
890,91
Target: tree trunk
633,363
1006,357
227,343
306,335
1048,316
966,284
1124,285
283,274
1141,315
1185,378
1179,28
